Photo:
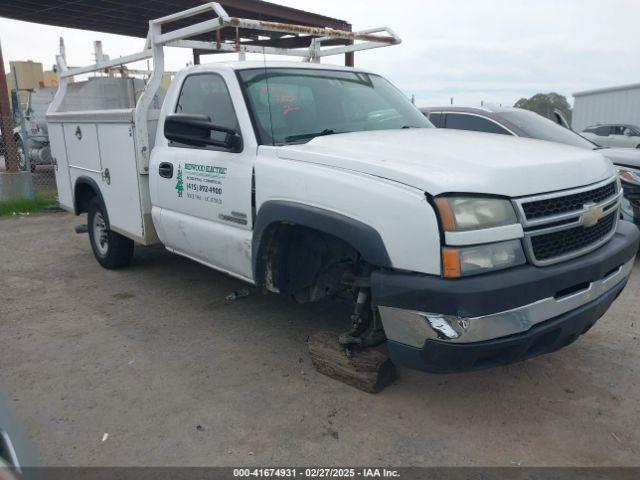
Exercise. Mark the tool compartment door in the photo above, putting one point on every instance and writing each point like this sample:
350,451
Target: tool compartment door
82,146
120,179
59,153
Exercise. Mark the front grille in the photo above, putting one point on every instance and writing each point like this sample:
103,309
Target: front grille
562,242
569,203
555,224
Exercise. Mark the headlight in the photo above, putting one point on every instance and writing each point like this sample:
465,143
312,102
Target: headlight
459,262
458,213
629,175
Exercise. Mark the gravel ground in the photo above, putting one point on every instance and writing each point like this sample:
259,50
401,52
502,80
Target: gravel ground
151,366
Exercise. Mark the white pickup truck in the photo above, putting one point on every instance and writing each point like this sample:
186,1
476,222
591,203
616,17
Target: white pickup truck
461,250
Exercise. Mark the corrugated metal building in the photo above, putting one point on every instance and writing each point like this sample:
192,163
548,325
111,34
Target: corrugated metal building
606,105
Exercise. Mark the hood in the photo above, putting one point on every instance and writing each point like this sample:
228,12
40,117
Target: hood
629,157
444,161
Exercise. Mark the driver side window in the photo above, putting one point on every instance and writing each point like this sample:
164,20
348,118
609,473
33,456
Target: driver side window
207,94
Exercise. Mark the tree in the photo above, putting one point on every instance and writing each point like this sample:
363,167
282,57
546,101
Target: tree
545,103
179,186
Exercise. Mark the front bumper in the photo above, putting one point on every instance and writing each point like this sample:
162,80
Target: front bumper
441,325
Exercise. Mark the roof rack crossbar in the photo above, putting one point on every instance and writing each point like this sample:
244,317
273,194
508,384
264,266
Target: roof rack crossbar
212,47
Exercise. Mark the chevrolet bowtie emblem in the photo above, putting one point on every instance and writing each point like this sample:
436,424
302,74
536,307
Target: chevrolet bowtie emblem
592,215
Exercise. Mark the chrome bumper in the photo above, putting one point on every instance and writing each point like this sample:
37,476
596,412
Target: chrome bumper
414,328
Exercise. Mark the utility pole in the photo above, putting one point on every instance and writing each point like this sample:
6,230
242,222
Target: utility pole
6,125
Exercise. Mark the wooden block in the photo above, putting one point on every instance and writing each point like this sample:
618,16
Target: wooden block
368,369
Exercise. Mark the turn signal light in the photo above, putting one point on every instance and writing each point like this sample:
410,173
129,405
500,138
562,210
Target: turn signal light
451,263
447,217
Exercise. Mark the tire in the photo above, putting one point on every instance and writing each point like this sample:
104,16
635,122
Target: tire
111,249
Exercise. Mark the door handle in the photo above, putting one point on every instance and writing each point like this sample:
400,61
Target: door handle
165,170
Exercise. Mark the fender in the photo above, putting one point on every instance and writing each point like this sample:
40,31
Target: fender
362,237
90,182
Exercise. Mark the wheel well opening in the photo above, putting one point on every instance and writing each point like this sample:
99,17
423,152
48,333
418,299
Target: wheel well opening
83,195
304,262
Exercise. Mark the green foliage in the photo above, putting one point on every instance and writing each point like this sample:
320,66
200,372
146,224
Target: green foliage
179,184
545,103
10,207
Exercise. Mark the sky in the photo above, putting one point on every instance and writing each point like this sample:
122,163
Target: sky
491,51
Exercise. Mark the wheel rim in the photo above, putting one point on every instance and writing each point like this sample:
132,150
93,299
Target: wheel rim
100,234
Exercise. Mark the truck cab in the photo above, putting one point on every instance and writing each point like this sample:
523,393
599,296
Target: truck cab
461,250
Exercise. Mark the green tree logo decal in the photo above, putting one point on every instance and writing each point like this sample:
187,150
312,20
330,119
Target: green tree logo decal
179,186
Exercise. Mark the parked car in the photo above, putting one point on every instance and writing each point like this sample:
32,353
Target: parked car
614,135
460,250
524,123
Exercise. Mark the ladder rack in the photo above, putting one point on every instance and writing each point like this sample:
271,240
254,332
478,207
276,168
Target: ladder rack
183,37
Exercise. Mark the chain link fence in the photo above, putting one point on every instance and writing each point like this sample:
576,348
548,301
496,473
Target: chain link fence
24,141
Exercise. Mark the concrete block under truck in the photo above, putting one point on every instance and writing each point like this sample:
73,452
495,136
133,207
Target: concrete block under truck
462,250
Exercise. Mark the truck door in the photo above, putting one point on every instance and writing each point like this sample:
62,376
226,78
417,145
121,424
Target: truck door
202,196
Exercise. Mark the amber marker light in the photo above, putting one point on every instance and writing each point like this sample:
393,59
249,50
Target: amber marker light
451,263
446,214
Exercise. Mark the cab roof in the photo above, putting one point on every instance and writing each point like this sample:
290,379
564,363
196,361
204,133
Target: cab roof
254,64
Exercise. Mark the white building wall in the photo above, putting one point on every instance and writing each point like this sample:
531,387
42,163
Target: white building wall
615,105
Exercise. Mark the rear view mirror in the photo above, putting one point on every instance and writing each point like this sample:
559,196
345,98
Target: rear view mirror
191,129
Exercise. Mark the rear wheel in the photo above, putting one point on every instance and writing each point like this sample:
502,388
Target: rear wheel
111,249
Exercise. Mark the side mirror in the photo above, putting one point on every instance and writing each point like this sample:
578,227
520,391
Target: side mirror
191,129
627,133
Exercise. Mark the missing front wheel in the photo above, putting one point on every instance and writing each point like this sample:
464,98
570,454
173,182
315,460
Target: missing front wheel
366,327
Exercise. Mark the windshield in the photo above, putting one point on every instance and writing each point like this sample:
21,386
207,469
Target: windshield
294,105
536,126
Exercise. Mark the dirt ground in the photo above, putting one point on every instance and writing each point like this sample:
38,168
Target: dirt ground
156,358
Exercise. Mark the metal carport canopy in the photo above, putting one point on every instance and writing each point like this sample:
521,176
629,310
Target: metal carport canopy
126,17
